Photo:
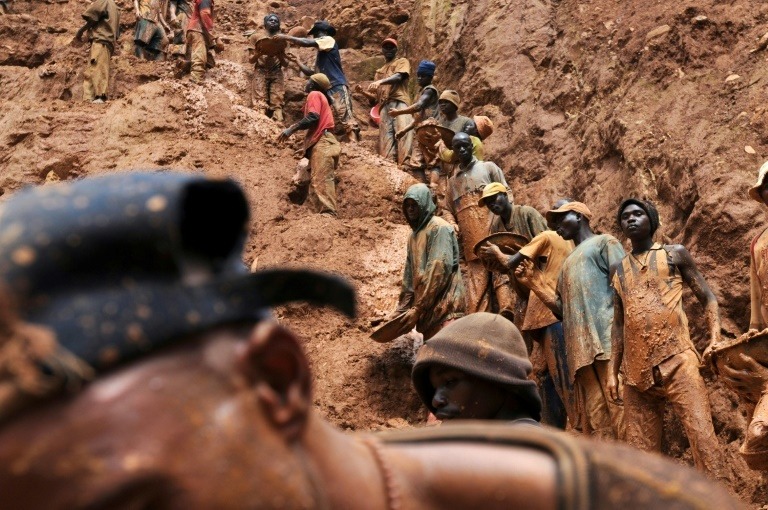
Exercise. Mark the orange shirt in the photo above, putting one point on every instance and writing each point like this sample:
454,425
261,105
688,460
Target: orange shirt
318,103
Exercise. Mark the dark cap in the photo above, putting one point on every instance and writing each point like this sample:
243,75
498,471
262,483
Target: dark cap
324,26
121,265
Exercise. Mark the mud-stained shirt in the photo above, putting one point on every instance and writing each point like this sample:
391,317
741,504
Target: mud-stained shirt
454,125
655,325
317,103
547,251
586,296
758,281
397,92
465,188
106,16
430,110
271,63
524,221
432,275
150,10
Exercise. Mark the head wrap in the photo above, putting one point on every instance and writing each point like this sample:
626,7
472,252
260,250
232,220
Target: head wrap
451,96
754,191
426,67
322,26
568,207
484,126
486,346
111,268
389,40
648,207
421,194
490,190
322,80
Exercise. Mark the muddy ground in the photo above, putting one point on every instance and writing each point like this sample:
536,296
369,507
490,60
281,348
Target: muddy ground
596,99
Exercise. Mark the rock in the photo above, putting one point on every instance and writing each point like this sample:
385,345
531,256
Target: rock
732,78
748,149
762,43
699,20
657,32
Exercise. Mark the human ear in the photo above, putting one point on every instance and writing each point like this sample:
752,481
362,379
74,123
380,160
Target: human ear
274,364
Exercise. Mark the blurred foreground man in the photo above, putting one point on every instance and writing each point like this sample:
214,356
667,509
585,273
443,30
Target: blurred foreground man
141,369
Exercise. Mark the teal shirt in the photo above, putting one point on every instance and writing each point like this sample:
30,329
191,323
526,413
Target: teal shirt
586,296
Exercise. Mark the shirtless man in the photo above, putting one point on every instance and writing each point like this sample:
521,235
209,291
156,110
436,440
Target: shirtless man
268,85
167,384
651,341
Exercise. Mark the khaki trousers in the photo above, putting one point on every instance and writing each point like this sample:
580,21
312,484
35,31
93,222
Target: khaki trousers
96,75
389,146
343,114
268,88
198,55
679,383
595,413
323,161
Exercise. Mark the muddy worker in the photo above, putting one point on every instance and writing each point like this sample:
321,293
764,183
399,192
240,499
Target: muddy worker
651,340
477,369
150,38
584,301
320,146
422,160
143,377
465,187
328,62
268,85
102,21
547,251
390,86
449,104
478,128
201,39
432,291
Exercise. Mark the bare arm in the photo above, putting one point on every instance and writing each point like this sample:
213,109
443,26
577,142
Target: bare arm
694,279
530,276
617,348
298,41
424,99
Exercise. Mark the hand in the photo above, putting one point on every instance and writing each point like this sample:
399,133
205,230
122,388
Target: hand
218,45
358,88
491,251
284,136
374,87
440,145
750,381
280,36
394,112
399,134
411,317
525,273
706,358
614,386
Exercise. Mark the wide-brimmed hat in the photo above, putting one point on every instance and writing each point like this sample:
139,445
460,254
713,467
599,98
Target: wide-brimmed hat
321,80
484,126
322,26
568,207
451,96
754,191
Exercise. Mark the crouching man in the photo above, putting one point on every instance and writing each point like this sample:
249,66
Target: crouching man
140,368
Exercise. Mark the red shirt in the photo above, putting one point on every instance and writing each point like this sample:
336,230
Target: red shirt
202,17
318,103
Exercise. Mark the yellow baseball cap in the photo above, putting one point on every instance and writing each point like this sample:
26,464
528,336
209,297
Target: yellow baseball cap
570,206
490,190
321,80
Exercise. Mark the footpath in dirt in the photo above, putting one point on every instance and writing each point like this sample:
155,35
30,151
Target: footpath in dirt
595,99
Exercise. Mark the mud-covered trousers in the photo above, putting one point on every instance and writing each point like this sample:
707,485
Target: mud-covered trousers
389,147
677,381
96,75
323,161
268,89
596,414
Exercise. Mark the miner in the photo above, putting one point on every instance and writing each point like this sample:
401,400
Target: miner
584,301
328,62
650,339
102,21
465,188
547,251
432,290
477,368
390,86
141,368
268,85
320,146
151,35
478,128
201,40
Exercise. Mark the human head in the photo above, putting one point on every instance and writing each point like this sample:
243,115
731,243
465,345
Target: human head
425,72
449,102
476,368
551,223
322,28
470,128
483,126
497,198
462,146
637,218
272,22
130,277
418,206
319,82
759,192
389,48
569,218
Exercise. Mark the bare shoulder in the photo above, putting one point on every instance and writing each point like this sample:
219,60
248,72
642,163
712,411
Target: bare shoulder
678,254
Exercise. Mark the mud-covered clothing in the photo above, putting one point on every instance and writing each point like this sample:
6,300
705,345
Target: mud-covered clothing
456,124
149,35
265,62
399,91
328,60
655,326
96,75
317,103
422,156
344,112
677,380
586,298
268,84
465,187
432,280
389,146
446,155
202,19
547,251
552,343
323,160
199,55
105,18
595,414
758,281
430,110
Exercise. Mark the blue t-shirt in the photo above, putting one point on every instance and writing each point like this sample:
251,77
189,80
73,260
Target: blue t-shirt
328,60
